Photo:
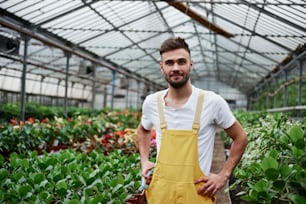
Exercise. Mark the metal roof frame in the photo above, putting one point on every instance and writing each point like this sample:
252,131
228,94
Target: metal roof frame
240,61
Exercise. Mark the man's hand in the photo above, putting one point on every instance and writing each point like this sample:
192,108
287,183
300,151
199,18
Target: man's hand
145,167
212,183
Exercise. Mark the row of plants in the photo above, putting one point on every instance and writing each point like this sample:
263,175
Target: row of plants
69,177
37,111
105,130
82,159
273,168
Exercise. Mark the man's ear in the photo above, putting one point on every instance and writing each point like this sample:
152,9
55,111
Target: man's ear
161,66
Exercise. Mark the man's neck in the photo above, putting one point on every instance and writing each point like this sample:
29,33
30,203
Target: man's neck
176,97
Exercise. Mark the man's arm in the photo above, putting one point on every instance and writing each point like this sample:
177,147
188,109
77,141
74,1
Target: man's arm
144,142
215,182
237,133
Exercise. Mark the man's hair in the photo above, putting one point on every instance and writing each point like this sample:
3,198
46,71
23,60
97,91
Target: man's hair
173,43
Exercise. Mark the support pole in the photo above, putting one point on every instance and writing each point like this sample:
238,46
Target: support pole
68,55
23,79
83,94
113,89
300,67
41,92
57,91
138,95
105,97
127,94
94,66
267,96
275,95
285,90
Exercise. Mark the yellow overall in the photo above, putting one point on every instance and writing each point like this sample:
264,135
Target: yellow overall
177,164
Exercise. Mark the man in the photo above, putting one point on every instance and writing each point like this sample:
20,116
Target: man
185,119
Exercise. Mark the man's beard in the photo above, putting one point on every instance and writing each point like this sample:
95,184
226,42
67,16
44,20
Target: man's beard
178,84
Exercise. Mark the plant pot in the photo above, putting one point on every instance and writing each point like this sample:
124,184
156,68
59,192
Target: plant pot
137,199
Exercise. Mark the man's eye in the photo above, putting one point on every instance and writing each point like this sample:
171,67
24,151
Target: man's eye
169,63
181,62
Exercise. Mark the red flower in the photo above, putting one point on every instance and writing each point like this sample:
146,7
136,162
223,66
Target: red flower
107,136
104,141
44,120
31,120
120,133
14,122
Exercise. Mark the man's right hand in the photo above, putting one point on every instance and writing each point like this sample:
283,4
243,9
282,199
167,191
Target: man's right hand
146,167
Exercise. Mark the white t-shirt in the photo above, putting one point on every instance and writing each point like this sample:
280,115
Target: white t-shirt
215,113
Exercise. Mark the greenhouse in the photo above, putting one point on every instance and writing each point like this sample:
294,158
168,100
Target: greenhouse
74,75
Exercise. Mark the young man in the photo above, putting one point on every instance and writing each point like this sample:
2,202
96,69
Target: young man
185,119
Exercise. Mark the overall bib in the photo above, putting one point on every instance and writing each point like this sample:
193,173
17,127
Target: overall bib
177,164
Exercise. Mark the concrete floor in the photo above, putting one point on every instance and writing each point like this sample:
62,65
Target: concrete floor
218,161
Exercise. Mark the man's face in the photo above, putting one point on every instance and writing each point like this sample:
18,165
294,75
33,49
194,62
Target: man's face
176,66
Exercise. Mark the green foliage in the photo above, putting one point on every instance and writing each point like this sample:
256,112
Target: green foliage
273,168
34,134
100,166
266,97
69,176
33,110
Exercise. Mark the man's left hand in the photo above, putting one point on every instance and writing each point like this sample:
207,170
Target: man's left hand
212,183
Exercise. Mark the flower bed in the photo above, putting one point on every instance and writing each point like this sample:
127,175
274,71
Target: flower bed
106,131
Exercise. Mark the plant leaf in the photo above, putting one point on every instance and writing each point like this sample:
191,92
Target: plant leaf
38,178
297,153
1,160
261,186
272,174
296,133
273,153
268,163
24,190
300,144
285,170
3,175
297,199
73,201
279,184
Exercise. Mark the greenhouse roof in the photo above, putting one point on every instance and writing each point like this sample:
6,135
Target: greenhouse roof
236,42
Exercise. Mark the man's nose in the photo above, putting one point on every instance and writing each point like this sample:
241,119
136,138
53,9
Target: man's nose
175,66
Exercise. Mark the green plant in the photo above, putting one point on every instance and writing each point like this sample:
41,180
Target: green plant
69,176
273,169
80,131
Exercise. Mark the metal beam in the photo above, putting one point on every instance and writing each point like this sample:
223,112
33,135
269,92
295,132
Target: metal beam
197,17
251,31
72,50
279,18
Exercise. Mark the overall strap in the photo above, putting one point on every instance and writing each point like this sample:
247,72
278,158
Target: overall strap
163,124
197,117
